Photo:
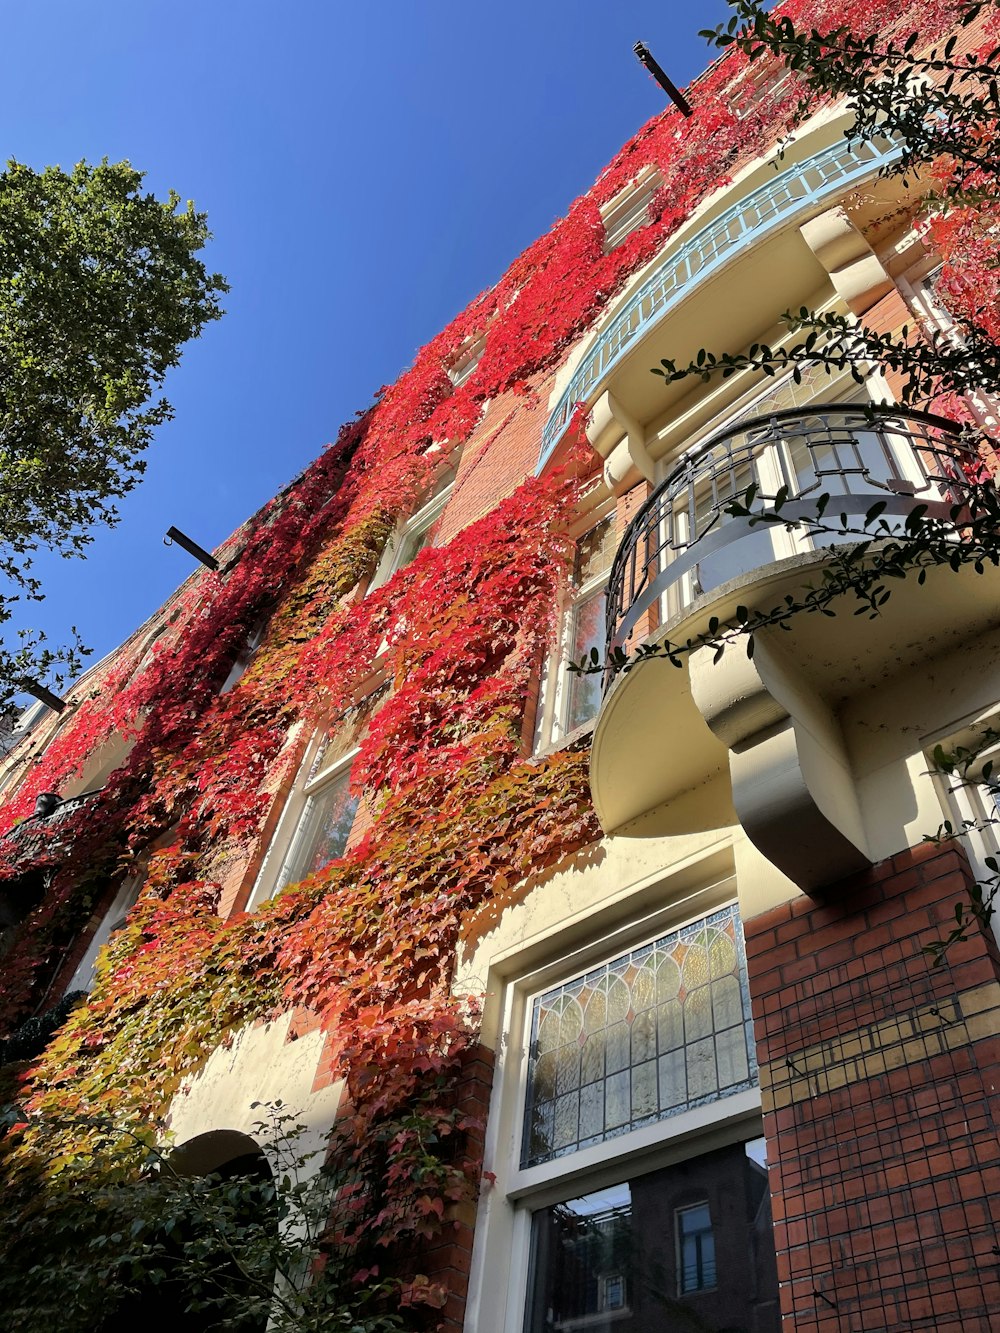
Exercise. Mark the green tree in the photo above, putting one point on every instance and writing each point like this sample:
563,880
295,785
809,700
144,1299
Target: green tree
100,288
100,1230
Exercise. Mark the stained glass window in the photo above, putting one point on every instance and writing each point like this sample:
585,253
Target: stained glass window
646,1036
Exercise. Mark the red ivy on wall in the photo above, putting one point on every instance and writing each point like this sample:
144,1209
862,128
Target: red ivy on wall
461,816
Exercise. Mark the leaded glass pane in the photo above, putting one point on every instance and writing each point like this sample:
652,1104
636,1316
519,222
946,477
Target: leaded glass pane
647,1035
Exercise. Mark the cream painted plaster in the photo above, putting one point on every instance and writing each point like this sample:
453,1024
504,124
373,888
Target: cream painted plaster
787,760
610,888
261,1065
760,884
889,729
819,131
609,898
855,271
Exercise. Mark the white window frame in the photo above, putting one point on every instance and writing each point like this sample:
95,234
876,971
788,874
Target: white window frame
466,359
505,1216
84,975
394,556
311,780
917,286
971,807
245,655
555,687
629,209
679,1249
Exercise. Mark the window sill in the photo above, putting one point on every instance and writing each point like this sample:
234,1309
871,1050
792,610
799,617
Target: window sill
573,740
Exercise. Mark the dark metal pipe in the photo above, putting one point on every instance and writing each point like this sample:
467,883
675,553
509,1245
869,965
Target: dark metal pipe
671,89
43,695
192,548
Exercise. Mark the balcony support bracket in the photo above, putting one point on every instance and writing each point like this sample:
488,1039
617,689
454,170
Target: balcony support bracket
791,780
621,441
854,269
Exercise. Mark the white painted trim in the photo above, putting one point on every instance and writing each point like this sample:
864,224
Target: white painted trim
499,1274
84,975
417,524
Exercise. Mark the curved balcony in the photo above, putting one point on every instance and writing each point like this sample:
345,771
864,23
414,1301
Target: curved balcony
801,189
40,832
682,543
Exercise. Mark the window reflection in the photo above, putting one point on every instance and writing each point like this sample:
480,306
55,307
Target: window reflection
686,1247
323,830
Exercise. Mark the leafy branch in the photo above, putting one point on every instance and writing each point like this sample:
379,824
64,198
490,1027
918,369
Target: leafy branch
929,365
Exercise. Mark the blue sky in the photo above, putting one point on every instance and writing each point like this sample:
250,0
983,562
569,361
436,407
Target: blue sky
367,169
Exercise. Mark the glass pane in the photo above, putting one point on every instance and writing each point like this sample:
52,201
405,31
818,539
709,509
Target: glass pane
413,543
594,552
588,631
650,1033
322,832
686,1247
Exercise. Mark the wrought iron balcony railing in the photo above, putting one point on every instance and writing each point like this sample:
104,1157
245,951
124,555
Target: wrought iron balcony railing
799,189
682,542
40,832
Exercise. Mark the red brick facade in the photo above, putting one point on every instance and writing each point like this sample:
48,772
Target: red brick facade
449,1260
878,1071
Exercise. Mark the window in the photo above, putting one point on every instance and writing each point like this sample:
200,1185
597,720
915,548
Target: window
467,359
629,210
645,1060
101,763
758,89
695,1249
567,700
972,795
417,532
654,1032
828,444
114,919
922,286
244,656
316,823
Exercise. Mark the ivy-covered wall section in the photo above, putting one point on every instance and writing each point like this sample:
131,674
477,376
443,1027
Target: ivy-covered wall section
460,812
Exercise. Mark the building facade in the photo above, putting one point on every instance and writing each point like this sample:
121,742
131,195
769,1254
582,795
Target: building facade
612,989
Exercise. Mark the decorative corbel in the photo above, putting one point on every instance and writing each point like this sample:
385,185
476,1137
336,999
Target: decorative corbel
792,786
855,270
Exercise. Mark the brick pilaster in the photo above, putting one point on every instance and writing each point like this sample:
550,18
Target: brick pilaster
448,1260
879,1074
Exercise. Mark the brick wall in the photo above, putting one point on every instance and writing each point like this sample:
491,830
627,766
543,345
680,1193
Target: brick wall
448,1260
879,1076
502,451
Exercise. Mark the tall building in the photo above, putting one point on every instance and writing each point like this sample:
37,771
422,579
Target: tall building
612,989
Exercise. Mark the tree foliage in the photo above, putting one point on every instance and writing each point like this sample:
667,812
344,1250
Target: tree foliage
116,1232
100,288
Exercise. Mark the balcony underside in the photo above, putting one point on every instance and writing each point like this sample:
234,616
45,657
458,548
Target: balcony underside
726,284
653,748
